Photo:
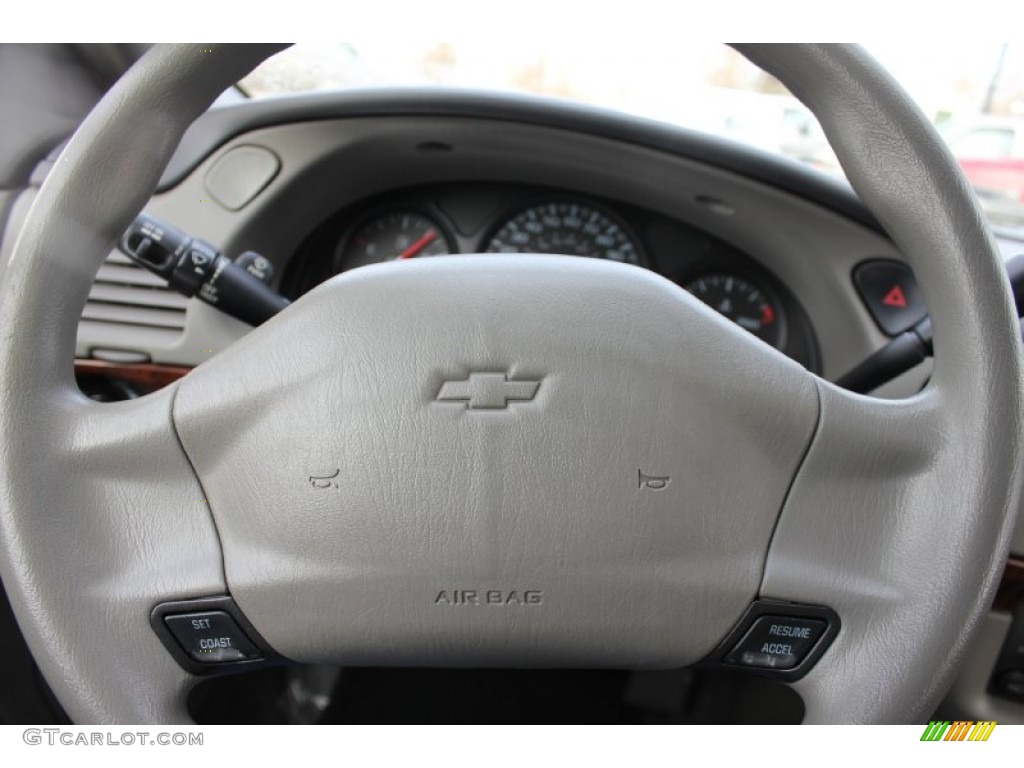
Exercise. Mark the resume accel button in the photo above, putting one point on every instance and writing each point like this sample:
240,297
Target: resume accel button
777,642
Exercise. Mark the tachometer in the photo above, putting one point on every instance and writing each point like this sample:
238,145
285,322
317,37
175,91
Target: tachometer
392,235
572,229
743,302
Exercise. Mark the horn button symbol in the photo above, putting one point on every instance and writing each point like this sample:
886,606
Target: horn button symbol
490,391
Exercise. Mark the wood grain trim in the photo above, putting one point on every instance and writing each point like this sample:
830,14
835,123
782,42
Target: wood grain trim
149,376
1011,588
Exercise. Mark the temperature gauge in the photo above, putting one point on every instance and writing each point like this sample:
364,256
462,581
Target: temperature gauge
743,302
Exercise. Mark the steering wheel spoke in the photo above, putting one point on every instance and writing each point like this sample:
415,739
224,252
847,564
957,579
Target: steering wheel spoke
120,523
878,526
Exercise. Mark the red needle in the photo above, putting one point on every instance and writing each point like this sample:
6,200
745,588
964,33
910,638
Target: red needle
428,237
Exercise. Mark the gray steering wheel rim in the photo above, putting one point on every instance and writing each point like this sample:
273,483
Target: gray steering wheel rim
895,162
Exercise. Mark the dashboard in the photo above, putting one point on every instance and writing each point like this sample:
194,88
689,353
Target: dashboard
302,180
478,218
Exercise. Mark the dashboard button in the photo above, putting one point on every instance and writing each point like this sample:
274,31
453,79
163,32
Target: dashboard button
890,292
211,637
777,642
240,174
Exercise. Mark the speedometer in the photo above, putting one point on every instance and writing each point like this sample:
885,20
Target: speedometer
572,229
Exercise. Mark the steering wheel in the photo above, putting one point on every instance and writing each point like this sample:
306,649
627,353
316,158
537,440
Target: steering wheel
487,425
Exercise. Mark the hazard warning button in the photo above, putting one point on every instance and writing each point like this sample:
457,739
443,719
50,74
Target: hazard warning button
891,294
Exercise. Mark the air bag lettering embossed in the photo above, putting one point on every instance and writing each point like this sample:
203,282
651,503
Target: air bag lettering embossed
489,597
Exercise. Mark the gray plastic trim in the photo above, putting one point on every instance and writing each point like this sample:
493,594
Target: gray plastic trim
217,126
241,174
969,698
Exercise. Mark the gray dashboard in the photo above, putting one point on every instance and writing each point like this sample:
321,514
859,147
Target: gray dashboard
328,166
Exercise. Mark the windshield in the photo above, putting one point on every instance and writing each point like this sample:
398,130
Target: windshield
974,93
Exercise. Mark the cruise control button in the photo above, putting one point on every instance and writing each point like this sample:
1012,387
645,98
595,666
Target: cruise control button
777,642
891,294
211,637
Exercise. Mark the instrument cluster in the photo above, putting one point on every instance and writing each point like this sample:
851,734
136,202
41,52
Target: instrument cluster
427,222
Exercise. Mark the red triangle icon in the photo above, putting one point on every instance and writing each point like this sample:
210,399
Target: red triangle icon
895,298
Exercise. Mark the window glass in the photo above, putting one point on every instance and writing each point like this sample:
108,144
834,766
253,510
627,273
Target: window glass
974,93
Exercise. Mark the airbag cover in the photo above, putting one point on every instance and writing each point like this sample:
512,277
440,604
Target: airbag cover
496,460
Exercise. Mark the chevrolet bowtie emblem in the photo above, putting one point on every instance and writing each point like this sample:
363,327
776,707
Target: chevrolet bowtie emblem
487,390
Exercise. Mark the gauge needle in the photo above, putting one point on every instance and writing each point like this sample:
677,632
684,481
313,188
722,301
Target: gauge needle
428,237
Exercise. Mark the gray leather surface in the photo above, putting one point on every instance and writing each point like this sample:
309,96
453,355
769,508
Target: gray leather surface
901,516
898,519
424,495
100,514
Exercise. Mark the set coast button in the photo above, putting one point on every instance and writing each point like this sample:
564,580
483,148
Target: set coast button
211,637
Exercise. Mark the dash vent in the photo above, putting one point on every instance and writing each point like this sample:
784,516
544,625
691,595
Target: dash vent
125,294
